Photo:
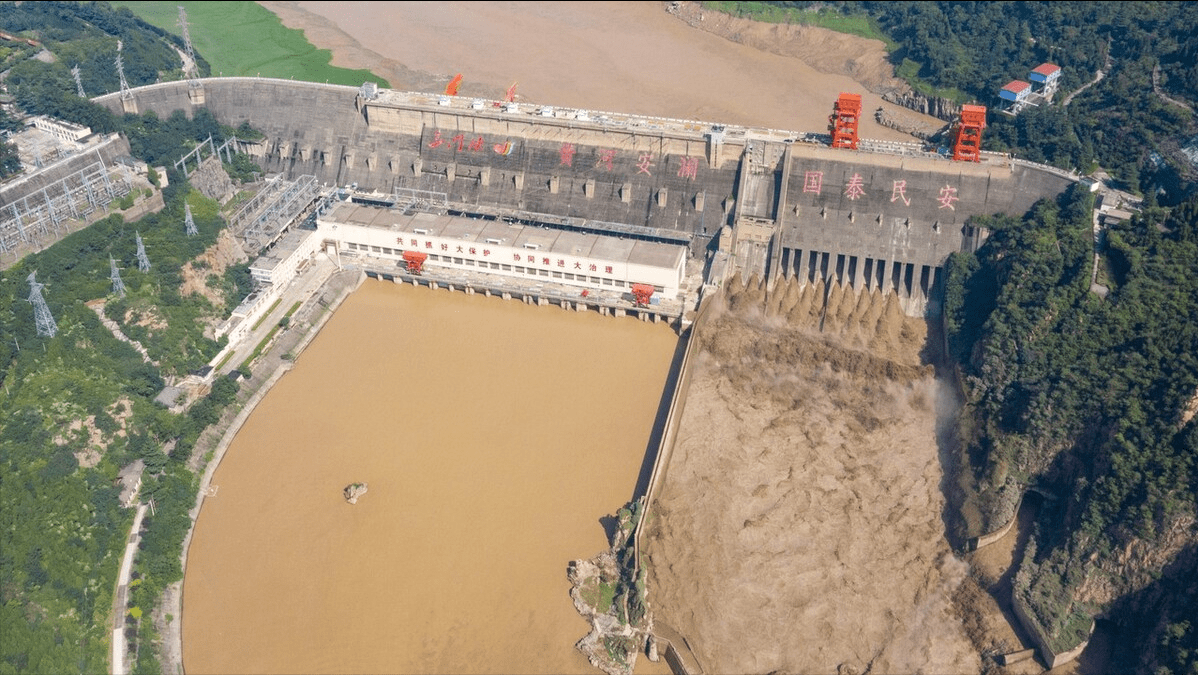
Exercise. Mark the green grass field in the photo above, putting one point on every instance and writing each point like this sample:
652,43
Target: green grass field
245,39
831,19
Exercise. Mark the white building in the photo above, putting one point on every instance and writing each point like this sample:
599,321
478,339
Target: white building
272,271
61,129
558,256
286,258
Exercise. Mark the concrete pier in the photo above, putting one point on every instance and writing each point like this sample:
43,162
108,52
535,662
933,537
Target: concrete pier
565,297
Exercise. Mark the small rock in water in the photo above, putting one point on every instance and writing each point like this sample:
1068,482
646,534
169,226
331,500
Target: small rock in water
353,491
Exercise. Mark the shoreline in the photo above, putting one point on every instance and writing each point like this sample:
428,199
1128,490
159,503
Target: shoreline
172,631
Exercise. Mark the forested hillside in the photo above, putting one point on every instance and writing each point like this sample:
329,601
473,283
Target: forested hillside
967,51
1091,401
1087,398
77,407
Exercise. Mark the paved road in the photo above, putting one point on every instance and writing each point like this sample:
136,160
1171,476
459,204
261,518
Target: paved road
300,289
119,646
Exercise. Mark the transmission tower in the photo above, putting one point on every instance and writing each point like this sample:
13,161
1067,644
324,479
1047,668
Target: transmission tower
78,81
190,223
143,263
118,286
41,313
190,71
120,71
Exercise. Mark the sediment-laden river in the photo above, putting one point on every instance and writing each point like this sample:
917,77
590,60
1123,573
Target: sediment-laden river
493,436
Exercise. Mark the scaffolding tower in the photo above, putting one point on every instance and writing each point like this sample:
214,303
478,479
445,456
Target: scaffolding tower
41,313
143,262
118,286
189,224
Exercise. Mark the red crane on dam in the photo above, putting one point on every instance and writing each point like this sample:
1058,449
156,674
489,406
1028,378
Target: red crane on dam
967,146
415,261
846,115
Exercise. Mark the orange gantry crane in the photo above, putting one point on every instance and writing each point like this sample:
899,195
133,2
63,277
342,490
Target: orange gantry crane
846,116
967,146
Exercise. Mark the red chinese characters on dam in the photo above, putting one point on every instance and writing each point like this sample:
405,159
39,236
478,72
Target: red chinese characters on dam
605,158
854,189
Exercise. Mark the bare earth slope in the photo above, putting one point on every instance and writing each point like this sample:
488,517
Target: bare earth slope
799,529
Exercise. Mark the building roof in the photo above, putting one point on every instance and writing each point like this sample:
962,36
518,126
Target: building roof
287,244
1046,69
547,240
1016,86
130,481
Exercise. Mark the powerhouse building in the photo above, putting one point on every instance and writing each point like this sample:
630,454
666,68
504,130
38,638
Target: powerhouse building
506,249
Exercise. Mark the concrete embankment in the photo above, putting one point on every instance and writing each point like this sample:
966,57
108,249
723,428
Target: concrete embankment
1051,657
678,653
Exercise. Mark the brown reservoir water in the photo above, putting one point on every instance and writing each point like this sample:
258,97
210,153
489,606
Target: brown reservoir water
493,435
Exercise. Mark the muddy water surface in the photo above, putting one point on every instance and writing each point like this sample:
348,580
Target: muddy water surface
493,435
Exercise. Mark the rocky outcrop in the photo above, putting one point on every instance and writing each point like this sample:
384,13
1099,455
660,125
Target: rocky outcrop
212,180
941,108
609,592
353,491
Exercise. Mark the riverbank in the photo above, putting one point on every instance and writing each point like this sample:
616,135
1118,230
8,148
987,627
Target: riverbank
211,448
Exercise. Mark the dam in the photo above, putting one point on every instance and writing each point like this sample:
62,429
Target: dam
713,201
771,202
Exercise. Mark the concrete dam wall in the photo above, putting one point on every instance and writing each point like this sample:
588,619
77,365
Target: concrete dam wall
886,215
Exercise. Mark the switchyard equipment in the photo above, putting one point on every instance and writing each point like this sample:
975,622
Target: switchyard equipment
968,144
844,121
39,216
